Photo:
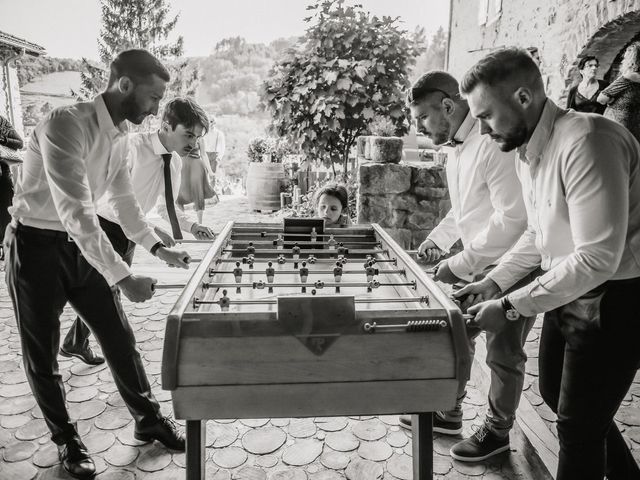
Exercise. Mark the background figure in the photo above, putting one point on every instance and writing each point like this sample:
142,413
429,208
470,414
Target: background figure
622,97
196,180
214,144
332,204
9,138
583,96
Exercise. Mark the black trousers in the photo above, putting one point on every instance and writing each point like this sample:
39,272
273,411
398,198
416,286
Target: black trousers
589,354
6,198
45,271
78,335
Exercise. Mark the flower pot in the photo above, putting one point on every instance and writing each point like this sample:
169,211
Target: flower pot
386,149
263,185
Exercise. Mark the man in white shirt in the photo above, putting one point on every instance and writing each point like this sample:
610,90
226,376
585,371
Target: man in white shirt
580,176
58,252
488,215
214,143
183,123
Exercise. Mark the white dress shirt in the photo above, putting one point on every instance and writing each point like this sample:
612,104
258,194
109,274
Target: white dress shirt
214,142
147,176
581,183
75,156
487,211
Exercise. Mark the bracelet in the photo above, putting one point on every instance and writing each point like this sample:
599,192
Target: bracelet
155,248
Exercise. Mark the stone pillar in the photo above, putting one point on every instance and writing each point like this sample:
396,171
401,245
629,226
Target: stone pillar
407,199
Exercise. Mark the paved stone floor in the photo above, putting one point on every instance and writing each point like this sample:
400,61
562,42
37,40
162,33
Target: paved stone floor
356,448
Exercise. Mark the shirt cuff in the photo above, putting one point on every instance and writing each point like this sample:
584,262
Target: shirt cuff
502,278
149,240
440,242
523,302
460,267
116,273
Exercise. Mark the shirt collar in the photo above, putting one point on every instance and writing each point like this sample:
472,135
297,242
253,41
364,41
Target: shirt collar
532,150
463,132
158,148
105,123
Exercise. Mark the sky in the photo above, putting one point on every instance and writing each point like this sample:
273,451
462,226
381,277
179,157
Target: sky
70,28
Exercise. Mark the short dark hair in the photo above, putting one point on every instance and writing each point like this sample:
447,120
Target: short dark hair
502,66
583,61
430,82
334,190
137,64
184,111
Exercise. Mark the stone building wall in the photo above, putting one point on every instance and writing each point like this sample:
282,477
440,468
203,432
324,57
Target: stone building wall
408,199
563,31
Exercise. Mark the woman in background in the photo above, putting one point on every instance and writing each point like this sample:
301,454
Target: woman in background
195,182
622,97
583,96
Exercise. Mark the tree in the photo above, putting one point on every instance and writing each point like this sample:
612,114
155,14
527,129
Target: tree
133,24
348,67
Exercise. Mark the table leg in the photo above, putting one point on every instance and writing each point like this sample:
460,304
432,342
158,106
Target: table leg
422,442
196,431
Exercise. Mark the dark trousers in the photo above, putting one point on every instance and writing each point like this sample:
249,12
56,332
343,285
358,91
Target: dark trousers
77,338
45,271
6,198
589,354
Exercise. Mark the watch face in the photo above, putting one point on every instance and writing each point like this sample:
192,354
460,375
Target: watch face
512,314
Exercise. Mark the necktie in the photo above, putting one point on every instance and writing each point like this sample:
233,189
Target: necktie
168,196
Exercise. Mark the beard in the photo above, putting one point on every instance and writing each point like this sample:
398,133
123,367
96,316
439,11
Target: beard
132,111
441,135
513,138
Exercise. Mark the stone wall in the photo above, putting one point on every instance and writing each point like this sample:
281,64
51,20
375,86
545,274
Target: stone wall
408,199
562,31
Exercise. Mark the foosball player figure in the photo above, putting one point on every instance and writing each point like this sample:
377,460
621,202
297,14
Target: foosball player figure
224,301
270,274
314,234
237,274
332,242
279,242
251,250
304,273
342,250
337,275
296,251
370,271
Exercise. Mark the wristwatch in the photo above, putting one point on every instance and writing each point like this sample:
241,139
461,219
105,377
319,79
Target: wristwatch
509,310
155,248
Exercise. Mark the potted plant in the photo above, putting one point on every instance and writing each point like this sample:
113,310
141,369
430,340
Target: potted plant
265,176
384,146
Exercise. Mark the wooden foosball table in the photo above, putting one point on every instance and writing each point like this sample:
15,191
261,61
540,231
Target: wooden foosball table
299,321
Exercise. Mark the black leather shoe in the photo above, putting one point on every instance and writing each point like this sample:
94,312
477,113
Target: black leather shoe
87,355
165,431
75,459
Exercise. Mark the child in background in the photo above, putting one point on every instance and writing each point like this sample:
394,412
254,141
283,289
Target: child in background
332,204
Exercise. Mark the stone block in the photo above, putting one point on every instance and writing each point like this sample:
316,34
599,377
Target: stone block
401,235
384,178
428,175
373,209
386,149
420,220
431,193
419,236
363,147
406,201
397,219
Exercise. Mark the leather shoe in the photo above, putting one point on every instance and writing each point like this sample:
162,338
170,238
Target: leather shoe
87,355
165,431
76,460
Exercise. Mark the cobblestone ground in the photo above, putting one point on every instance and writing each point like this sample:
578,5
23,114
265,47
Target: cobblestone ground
356,448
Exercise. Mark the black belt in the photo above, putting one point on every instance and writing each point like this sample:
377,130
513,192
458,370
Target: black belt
43,232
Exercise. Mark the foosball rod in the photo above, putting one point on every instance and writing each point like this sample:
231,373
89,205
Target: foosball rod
315,260
302,242
261,285
194,240
272,301
288,251
301,234
213,272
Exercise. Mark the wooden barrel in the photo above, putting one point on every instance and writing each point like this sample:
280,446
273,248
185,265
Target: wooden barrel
263,185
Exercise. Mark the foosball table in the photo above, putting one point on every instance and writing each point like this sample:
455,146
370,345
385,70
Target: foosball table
299,321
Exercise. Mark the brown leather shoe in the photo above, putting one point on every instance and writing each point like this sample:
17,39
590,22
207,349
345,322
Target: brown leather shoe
76,460
87,355
165,431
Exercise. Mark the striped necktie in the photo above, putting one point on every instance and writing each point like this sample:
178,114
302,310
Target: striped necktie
168,196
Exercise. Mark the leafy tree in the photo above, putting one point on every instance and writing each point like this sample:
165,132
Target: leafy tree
135,24
348,67
433,54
